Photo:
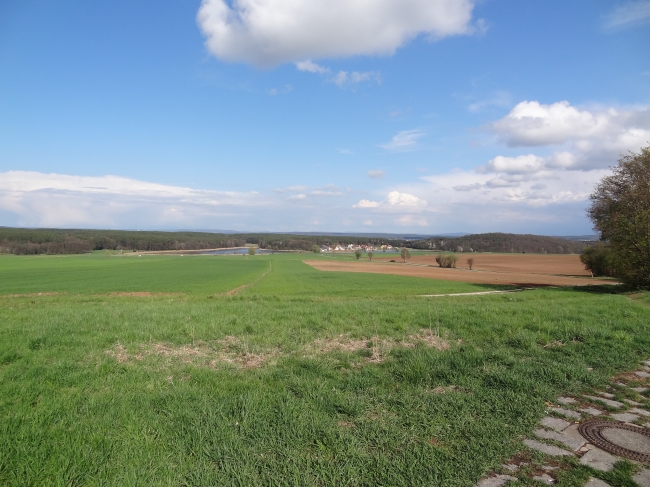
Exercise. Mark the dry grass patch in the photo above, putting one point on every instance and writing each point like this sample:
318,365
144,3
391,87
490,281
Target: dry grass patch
443,389
230,350
140,294
377,348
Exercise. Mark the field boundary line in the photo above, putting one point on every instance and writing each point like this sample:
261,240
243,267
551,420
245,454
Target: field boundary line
479,293
237,290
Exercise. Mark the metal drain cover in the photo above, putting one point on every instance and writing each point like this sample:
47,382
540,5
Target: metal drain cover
624,440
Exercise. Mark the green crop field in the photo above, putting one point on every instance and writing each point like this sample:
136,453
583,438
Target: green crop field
127,370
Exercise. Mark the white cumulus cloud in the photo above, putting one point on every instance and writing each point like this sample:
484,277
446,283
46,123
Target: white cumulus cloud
311,67
271,32
531,123
394,200
514,165
592,138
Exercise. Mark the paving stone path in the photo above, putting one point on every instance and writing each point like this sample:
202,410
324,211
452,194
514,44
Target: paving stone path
558,436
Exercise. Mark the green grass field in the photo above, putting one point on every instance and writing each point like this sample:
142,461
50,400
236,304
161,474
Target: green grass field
302,378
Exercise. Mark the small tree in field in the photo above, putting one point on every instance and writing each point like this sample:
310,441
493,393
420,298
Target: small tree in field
405,254
370,254
251,250
620,211
358,253
315,249
470,263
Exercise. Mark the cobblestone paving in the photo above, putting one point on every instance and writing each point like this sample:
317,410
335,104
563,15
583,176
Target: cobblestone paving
558,436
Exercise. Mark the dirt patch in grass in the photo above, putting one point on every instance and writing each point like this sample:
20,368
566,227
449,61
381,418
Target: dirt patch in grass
230,350
514,276
443,389
30,295
141,294
377,349
235,291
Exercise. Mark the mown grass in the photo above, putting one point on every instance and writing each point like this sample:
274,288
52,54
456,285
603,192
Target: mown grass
73,412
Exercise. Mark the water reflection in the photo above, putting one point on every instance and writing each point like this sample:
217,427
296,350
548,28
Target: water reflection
240,250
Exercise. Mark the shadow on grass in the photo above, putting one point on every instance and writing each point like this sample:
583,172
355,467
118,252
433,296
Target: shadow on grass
600,289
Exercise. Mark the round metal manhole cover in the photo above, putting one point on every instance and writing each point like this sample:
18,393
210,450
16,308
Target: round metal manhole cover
624,440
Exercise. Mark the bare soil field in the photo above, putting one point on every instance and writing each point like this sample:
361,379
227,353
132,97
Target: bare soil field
501,269
553,264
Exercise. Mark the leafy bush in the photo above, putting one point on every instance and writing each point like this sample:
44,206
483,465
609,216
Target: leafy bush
446,260
599,259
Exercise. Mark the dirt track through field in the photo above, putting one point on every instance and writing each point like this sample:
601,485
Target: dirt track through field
239,289
501,269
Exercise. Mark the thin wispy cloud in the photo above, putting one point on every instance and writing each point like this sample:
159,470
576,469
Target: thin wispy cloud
630,14
404,141
342,79
376,174
280,91
500,99
346,152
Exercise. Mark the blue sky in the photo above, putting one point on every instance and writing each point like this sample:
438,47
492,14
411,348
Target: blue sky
317,115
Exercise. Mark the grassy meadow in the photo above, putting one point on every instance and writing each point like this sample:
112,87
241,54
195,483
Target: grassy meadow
126,370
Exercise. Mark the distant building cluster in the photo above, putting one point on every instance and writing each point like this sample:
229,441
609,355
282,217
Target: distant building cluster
353,248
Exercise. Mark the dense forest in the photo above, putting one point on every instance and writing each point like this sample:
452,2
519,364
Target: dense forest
22,241
503,242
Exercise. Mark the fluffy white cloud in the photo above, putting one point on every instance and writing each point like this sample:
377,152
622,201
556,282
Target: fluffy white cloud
514,165
398,199
531,123
367,204
65,200
311,67
591,138
404,141
394,200
629,14
271,32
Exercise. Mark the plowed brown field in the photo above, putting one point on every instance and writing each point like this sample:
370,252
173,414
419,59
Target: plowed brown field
502,269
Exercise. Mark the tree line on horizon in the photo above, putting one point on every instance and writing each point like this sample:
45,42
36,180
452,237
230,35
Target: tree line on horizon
21,241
